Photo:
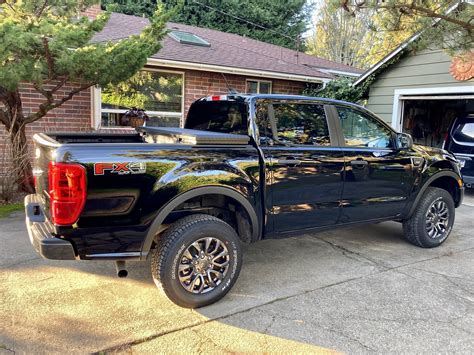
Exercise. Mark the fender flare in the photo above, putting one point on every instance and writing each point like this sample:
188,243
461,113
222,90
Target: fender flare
428,182
200,191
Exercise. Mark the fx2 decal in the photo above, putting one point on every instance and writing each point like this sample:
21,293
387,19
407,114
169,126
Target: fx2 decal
119,168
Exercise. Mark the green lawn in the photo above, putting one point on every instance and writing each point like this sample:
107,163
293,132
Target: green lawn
5,210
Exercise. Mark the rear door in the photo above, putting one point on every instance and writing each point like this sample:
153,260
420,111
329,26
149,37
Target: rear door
304,163
378,177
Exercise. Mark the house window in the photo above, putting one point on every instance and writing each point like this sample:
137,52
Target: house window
159,93
259,87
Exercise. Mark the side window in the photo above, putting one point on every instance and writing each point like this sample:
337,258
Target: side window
361,130
294,123
300,123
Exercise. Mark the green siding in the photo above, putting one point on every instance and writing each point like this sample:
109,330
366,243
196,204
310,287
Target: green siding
429,68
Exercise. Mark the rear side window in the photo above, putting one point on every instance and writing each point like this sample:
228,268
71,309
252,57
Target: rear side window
464,132
294,124
218,116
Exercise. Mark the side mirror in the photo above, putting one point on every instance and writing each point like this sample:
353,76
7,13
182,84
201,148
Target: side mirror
404,141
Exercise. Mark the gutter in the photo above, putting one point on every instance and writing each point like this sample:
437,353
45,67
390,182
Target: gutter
338,72
237,71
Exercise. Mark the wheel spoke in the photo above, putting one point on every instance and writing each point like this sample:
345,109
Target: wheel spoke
217,247
222,264
185,278
207,245
431,232
201,283
222,254
187,254
184,267
210,280
197,247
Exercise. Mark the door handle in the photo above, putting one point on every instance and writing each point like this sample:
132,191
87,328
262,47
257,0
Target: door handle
359,163
289,161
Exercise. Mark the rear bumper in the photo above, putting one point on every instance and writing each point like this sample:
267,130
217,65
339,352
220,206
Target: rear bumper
40,231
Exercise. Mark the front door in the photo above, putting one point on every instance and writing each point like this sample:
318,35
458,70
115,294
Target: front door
378,176
305,166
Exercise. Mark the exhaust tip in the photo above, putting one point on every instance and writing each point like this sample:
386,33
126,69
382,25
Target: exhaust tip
122,273
121,269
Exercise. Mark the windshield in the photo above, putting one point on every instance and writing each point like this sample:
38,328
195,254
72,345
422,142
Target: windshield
218,116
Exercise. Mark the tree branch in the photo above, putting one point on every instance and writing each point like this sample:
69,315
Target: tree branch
422,10
49,105
41,9
60,84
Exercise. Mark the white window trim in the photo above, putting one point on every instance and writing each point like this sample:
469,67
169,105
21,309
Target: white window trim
398,99
96,103
258,81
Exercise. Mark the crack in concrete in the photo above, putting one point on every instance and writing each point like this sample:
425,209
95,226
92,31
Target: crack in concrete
4,347
348,253
365,346
449,279
439,286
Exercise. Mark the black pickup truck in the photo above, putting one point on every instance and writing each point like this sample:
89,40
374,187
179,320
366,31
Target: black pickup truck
244,167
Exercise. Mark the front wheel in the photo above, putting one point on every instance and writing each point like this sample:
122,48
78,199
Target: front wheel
197,261
433,219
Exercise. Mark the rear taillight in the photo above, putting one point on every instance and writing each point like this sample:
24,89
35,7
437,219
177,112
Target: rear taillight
67,191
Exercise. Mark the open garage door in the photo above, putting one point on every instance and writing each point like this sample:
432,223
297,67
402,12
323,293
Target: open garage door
428,118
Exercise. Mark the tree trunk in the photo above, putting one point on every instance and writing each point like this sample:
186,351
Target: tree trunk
16,129
21,158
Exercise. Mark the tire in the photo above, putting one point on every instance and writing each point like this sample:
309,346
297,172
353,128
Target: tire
419,231
177,257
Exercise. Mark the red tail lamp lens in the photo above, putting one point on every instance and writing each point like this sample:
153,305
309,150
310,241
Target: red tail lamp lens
67,190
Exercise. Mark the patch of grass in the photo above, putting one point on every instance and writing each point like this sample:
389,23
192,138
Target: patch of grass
5,210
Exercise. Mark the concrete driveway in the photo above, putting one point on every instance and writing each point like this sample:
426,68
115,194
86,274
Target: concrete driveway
362,289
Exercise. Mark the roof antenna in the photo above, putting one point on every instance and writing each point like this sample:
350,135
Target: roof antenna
231,90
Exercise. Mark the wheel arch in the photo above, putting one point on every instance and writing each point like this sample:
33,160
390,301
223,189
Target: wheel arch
157,225
446,180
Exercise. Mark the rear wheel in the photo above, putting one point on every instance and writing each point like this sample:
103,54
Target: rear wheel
197,260
433,219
